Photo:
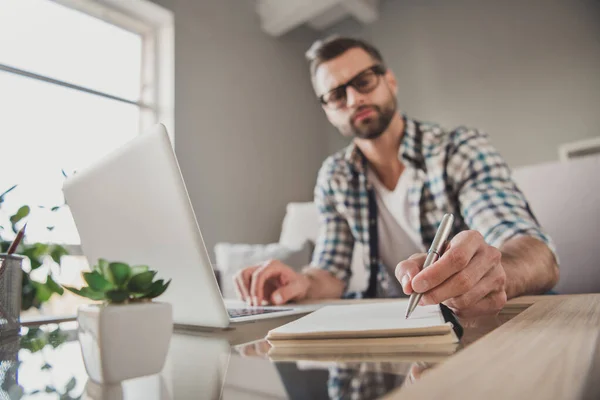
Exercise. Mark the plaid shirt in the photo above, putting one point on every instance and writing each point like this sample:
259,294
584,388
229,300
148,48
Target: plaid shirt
364,381
455,172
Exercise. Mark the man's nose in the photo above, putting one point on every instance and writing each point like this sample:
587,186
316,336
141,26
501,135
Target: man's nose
354,97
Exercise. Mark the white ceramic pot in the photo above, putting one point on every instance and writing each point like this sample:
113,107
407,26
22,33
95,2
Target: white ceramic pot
121,342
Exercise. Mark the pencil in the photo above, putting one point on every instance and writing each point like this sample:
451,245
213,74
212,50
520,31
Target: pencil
13,246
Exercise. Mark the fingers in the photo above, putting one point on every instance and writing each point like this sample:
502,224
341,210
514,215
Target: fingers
468,284
490,304
260,349
408,269
416,371
493,281
271,269
289,292
251,283
242,282
457,256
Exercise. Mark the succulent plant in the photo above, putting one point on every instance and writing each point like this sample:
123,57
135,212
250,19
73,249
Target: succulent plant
117,282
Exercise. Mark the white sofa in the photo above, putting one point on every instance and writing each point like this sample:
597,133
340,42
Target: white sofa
564,196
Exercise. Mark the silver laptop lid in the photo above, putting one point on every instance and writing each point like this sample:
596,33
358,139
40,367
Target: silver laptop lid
133,206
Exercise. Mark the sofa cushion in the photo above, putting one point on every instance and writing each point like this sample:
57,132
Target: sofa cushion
231,258
565,198
301,223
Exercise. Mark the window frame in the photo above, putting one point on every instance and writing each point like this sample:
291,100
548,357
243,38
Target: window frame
155,25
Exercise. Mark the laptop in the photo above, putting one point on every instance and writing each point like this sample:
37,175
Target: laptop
133,206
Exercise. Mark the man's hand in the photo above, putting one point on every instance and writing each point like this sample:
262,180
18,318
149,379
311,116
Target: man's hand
270,283
468,278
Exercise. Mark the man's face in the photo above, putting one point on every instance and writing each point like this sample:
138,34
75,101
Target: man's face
363,115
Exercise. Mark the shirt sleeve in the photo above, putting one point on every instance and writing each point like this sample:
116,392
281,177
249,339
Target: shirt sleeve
335,243
490,202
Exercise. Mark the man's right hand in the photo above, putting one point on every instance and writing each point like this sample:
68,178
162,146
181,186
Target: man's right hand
273,282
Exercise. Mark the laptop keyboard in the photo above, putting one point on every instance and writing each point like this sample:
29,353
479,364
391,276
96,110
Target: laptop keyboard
246,312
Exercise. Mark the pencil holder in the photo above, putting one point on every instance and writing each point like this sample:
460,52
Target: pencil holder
10,295
9,364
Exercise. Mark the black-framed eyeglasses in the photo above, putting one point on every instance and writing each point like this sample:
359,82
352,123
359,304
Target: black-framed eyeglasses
364,82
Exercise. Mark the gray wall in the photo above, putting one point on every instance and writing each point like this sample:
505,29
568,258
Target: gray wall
250,137
527,72
248,132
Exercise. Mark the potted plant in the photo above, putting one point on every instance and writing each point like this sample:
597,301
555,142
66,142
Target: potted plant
34,293
128,334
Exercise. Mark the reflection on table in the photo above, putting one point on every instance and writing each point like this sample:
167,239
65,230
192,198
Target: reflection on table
229,364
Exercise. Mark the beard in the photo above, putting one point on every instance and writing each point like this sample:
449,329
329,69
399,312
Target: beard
373,126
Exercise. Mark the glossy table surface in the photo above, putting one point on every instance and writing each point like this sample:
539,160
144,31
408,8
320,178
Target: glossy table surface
46,362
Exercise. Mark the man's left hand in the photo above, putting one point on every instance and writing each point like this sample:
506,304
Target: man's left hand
468,278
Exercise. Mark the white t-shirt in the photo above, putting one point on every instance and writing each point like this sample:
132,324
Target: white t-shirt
397,240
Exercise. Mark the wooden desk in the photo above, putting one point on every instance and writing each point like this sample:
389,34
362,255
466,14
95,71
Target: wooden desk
549,351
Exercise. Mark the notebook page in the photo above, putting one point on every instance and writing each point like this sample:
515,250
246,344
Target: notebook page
385,319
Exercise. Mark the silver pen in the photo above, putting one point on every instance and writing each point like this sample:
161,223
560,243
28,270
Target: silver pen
434,253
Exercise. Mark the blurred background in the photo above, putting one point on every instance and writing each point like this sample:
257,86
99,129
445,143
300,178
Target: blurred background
228,78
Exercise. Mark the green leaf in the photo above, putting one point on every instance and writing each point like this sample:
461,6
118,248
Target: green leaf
35,250
97,282
138,269
58,252
52,285
34,332
71,385
5,193
35,253
140,283
57,337
50,389
27,293
34,340
35,263
117,296
50,228
21,213
102,268
157,288
55,208
43,292
46,367
120,272
86,292
154,287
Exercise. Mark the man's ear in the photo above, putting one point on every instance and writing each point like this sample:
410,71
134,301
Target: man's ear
391,80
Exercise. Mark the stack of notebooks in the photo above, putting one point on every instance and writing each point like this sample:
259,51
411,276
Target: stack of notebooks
358,332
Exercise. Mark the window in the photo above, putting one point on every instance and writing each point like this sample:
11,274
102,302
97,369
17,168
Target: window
78,78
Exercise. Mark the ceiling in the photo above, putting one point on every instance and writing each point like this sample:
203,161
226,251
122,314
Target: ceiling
280,16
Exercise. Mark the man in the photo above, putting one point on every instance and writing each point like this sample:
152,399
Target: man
388,191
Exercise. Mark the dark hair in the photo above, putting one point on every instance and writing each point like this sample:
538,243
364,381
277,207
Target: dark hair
331,47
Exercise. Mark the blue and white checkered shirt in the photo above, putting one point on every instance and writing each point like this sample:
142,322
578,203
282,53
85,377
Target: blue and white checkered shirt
456,171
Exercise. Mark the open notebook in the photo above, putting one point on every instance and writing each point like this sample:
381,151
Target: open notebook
370,320
374,328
